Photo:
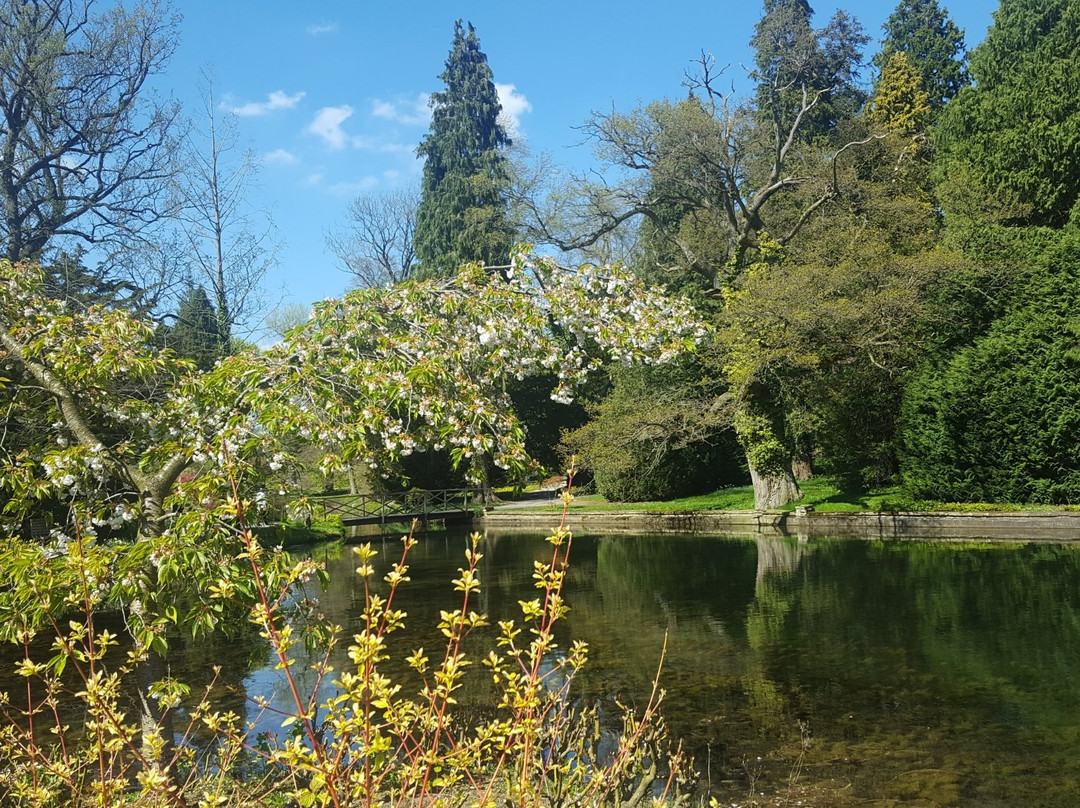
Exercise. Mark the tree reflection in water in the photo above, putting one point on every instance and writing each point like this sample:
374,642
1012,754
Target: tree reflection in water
835,672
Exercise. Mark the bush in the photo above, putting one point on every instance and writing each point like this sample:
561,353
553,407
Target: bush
658,436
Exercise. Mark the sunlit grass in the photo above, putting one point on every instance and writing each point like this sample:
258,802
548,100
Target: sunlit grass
825,494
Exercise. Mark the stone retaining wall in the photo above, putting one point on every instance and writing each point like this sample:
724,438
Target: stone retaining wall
1050,526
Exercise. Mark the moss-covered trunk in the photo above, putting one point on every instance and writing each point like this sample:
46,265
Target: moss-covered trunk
759,423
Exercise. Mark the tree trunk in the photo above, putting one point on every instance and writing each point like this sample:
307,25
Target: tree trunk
153,720
774,490
802,469
481,469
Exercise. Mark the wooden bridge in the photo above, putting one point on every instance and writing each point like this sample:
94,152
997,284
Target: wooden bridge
447,504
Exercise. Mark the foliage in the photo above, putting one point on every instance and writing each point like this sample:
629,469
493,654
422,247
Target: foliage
660,434
993,421
794,63
899,104
386,373
462,215
832,340
1011,140
546,420
122,440
371,378
67,278
194,335
86,148
364,740
97,388
720,185
933,45
152,468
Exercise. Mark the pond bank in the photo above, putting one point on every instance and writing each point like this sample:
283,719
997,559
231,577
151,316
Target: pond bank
1061,526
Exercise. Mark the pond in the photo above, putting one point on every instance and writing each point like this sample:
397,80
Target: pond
834,672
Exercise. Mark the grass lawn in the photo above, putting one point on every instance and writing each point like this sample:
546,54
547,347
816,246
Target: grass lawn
822,492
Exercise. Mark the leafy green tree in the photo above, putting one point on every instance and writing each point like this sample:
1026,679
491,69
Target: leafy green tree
361,379
462,215
130,437
662,433
719,184
85,149
794,62
1011,141
934,46
821,333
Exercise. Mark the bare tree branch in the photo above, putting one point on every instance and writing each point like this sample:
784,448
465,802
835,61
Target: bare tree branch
376,243
85,153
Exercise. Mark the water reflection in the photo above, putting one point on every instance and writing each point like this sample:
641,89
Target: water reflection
835,672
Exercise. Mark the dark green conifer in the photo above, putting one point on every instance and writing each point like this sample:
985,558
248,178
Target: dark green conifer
194,335
1011,141
462,215
794,63
934,46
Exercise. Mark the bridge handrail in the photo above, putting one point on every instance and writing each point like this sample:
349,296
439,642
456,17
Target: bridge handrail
418,501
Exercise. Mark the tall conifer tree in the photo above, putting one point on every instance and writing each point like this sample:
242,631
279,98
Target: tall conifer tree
463,210
934,46
793,62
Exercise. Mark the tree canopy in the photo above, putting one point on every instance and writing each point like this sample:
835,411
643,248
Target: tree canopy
1013,137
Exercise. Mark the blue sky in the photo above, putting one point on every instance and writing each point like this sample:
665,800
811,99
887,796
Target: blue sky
332,95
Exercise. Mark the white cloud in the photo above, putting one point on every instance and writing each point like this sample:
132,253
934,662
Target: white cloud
322,28
313,179
327,125
279,157
411,112
275,101
353,188
514,105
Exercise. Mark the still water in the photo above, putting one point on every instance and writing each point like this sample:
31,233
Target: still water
833,673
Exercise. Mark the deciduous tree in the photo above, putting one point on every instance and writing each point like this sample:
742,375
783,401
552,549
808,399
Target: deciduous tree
376,243
719,182
228,244
85,154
